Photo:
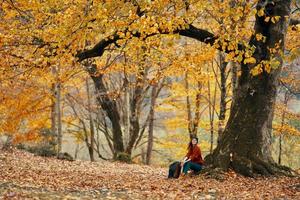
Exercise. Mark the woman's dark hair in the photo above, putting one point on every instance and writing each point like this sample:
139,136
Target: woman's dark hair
190,143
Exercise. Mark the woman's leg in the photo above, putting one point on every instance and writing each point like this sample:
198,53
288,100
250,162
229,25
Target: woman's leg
186,167
195,167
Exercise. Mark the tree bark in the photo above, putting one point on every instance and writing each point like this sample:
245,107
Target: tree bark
223,96
197,111
59,118
285,102
110,107
53,110
211,110
245,146
102,126
280,148
56,121
135,109
126,112
151,125
193,122
188,105
92,127
234,80
76,151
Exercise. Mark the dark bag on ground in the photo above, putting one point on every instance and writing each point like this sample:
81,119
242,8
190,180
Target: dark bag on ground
174,170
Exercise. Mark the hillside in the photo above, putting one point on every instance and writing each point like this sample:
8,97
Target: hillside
25,176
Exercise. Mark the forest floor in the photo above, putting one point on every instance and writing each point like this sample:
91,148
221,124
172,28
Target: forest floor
25,176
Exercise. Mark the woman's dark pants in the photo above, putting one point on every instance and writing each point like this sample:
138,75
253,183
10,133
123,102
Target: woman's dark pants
191,165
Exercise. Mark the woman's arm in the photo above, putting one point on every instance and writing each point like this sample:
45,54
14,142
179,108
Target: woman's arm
185,159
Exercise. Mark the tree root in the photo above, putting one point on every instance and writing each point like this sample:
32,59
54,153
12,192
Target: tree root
256,166
250,166
214,173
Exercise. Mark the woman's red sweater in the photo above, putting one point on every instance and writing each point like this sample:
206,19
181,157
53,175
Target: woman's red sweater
194,154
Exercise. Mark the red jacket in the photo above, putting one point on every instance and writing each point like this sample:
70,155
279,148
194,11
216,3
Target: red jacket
195,155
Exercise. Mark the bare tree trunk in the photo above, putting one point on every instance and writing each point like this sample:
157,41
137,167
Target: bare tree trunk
56,118
193,122
188,105
53,110
110,107
127,113
211,110
92,127
59,118
135,108
151,124
8,143
143,157
76,151
285,102
197,111
279,153
223,95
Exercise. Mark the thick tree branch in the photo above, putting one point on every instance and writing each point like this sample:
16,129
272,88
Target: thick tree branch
294,22
198,34
192,32
98,49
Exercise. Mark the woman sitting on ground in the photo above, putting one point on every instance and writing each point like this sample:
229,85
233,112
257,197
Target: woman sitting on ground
193,160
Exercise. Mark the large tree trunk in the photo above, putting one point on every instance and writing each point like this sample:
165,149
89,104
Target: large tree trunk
110,107
247,137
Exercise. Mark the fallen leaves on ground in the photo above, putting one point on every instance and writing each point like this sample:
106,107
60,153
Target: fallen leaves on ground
25,176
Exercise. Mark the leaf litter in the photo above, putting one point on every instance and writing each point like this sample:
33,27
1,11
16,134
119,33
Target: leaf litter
25,176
